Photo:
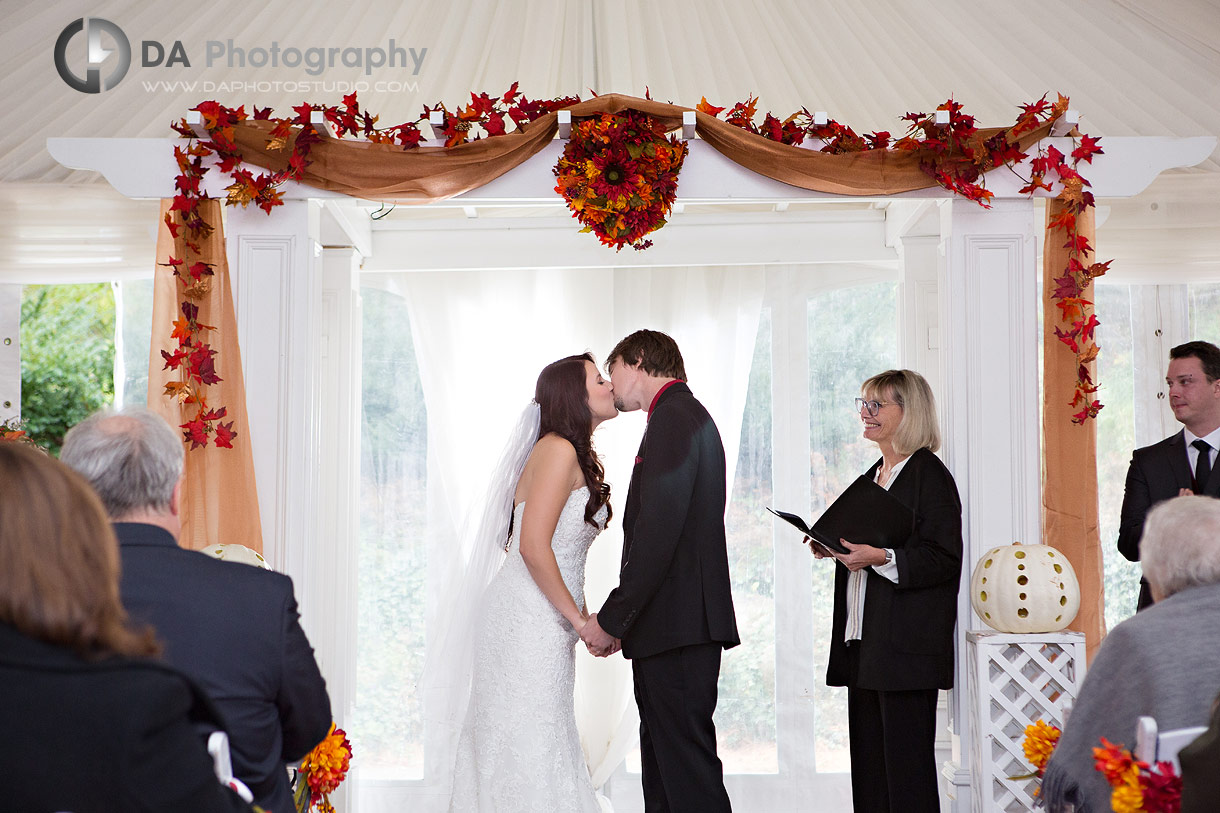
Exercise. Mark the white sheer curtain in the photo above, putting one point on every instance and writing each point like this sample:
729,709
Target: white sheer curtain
481,337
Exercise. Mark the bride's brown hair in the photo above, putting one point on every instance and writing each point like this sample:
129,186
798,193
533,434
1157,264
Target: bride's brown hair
563,400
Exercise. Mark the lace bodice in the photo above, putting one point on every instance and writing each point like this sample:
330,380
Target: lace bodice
570,544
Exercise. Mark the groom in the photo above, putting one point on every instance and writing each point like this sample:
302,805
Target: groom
672,609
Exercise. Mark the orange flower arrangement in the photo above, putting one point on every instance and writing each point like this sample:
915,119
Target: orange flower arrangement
1137,785
322,771
619,176
1040,742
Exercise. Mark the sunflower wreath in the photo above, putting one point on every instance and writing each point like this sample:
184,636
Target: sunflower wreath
619,175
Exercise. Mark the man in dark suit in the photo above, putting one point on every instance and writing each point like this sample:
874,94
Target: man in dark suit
233,628
673,607
1184,463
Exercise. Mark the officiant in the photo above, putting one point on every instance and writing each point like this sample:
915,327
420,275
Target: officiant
895,605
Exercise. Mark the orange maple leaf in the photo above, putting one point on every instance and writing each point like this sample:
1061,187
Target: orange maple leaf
710,109
182,329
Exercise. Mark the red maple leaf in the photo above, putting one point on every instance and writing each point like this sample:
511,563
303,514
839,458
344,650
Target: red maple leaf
1087,327
171,225
225,435
1078,243
1087,149
494,125
174,361
1068,338
196,432
304,113
1067,287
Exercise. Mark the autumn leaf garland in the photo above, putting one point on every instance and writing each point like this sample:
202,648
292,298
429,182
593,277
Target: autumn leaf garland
623,199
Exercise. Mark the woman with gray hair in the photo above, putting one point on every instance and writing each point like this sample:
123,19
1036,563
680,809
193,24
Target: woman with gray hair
1164,662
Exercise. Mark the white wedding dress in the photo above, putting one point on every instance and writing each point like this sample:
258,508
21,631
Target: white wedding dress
519,749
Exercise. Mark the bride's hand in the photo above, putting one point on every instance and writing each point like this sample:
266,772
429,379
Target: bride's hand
580,622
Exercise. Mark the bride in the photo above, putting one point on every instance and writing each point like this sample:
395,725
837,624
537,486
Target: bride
519,749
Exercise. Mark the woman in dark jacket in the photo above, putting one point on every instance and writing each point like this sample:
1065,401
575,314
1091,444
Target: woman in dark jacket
90,724
892,635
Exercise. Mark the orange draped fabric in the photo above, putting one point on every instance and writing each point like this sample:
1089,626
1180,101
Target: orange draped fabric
219,499
428,174
1069,470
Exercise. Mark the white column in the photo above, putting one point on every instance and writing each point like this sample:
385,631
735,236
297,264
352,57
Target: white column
989,298
331,584
328,588
275,277
10,351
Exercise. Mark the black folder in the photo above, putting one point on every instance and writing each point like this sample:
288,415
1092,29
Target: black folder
864,514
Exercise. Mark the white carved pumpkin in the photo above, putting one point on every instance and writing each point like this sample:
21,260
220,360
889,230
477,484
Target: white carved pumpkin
1025,588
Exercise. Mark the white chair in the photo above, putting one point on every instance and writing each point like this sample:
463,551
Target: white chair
1154,746
218,747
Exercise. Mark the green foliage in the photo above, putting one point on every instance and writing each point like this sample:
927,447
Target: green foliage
67,357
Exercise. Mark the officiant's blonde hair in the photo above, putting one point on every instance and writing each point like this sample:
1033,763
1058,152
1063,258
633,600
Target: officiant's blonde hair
919,428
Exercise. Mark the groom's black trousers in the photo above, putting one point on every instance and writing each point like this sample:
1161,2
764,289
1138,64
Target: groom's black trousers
676,695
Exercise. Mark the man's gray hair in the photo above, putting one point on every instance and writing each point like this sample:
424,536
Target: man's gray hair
131,457
1180,547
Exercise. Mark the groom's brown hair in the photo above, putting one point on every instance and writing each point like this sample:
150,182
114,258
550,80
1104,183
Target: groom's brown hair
656,354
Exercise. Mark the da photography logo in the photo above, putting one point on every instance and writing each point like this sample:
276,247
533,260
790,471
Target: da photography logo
96,54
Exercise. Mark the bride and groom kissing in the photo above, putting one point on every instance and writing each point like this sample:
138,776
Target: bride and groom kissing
671,613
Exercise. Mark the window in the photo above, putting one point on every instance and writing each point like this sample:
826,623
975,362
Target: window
745,713
853,334
386,724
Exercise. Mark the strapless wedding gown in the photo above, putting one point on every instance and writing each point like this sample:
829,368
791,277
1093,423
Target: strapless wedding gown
519,749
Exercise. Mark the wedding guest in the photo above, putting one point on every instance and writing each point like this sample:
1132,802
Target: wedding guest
90,723
1200,780
233,628
894,608
1164,662
1183,463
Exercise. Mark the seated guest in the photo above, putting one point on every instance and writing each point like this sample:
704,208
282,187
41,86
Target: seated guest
88,723
1200,779
1164,662
233,628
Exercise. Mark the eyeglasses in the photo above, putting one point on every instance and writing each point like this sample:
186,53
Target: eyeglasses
873,407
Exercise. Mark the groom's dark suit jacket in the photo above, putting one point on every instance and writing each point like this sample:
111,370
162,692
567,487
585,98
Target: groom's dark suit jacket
674,582
1156,473
235,630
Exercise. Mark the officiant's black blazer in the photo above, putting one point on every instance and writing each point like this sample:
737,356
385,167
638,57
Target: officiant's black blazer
1156,473
235,630
116,735
907,631
674,581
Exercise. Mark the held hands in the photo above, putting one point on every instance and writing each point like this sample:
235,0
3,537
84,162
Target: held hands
597,640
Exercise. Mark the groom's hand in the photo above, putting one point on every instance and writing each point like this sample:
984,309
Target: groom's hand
597,640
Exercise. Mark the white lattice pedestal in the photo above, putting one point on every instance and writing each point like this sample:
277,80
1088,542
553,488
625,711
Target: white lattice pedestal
1015,680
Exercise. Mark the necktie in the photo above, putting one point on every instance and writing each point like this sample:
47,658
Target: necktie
1202,465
